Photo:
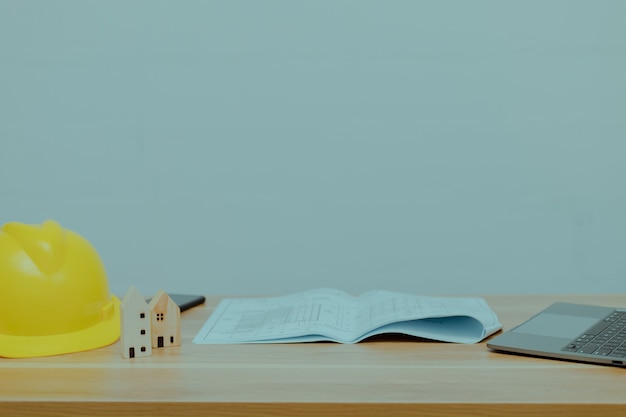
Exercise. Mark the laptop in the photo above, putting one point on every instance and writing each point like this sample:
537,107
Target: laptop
576,332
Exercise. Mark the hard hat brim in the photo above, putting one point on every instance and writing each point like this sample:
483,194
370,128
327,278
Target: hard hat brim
99,335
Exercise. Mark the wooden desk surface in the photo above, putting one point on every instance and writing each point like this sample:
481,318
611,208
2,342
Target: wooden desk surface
394,376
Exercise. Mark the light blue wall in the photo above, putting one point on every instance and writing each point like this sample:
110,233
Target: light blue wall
275,146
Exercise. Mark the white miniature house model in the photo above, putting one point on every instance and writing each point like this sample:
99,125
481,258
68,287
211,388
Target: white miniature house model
135,328
165,321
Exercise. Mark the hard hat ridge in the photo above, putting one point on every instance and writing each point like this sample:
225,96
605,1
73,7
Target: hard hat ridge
44,244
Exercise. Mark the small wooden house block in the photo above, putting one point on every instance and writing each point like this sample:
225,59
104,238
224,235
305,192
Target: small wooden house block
135,329
165,321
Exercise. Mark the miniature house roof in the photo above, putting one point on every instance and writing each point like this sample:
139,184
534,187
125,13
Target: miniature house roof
131,299
162,302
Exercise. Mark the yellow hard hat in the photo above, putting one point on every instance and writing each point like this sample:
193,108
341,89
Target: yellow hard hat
54,294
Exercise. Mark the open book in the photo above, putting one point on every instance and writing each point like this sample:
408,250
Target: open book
332,315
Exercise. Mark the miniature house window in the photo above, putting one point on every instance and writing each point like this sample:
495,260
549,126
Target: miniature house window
171,339
159,316
142,315
143,348
143,331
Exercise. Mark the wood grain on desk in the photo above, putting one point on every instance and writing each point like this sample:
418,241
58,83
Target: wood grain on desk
386,376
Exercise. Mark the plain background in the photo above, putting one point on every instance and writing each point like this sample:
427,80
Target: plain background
253,147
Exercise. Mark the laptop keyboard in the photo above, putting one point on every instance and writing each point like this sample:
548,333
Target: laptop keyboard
605,338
